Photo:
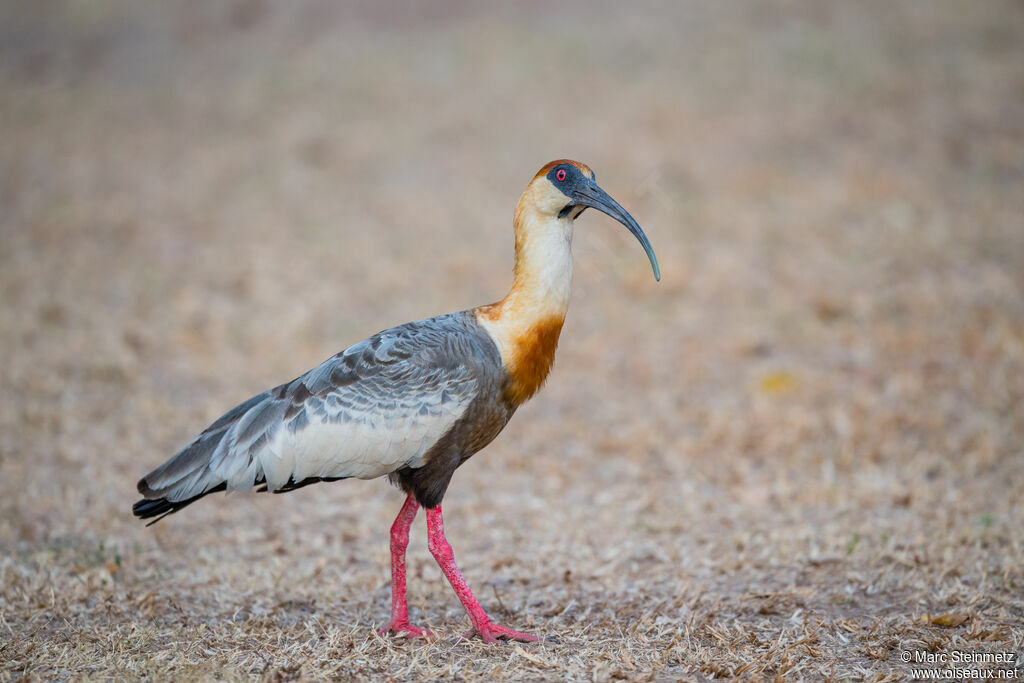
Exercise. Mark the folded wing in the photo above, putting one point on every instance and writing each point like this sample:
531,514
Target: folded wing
371,409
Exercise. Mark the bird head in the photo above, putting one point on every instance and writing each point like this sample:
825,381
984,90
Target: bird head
565,189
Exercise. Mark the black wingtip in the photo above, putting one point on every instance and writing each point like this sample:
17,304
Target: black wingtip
148,508
159,508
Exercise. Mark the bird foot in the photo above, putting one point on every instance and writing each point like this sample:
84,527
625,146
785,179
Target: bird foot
405,629
492,633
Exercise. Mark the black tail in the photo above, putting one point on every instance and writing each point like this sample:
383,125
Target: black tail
161,507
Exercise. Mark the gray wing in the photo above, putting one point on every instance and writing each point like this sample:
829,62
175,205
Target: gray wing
371,409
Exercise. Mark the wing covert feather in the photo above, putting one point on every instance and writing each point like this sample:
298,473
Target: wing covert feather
377,406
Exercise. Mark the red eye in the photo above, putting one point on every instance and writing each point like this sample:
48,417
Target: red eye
560,174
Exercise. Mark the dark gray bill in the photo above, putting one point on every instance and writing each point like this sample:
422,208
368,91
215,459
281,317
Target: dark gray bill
593,196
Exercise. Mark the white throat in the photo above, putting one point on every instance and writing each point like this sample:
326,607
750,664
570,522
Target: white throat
543,273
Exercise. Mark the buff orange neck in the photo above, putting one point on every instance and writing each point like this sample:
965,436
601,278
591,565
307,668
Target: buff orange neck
527,322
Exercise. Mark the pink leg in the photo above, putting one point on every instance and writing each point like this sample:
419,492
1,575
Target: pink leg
442,552
399,542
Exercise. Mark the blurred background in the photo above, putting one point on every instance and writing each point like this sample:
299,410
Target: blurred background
809,432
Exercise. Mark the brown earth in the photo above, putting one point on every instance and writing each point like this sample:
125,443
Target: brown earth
800,454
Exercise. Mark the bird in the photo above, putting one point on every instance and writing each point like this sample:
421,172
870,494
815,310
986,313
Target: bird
413,402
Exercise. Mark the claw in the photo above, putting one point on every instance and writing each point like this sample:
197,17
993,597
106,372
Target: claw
406,629
492,633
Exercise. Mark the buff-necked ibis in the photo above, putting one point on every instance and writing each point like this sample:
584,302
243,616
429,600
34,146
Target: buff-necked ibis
413,402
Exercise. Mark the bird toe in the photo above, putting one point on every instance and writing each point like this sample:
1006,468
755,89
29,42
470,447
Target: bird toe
405,629
492,633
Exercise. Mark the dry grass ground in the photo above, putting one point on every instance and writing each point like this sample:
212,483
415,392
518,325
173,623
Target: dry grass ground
800,454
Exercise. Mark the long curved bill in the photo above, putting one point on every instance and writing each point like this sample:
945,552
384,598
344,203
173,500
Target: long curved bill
593,196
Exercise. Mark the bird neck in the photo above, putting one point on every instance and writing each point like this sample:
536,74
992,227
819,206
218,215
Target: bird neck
542,280
526,324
